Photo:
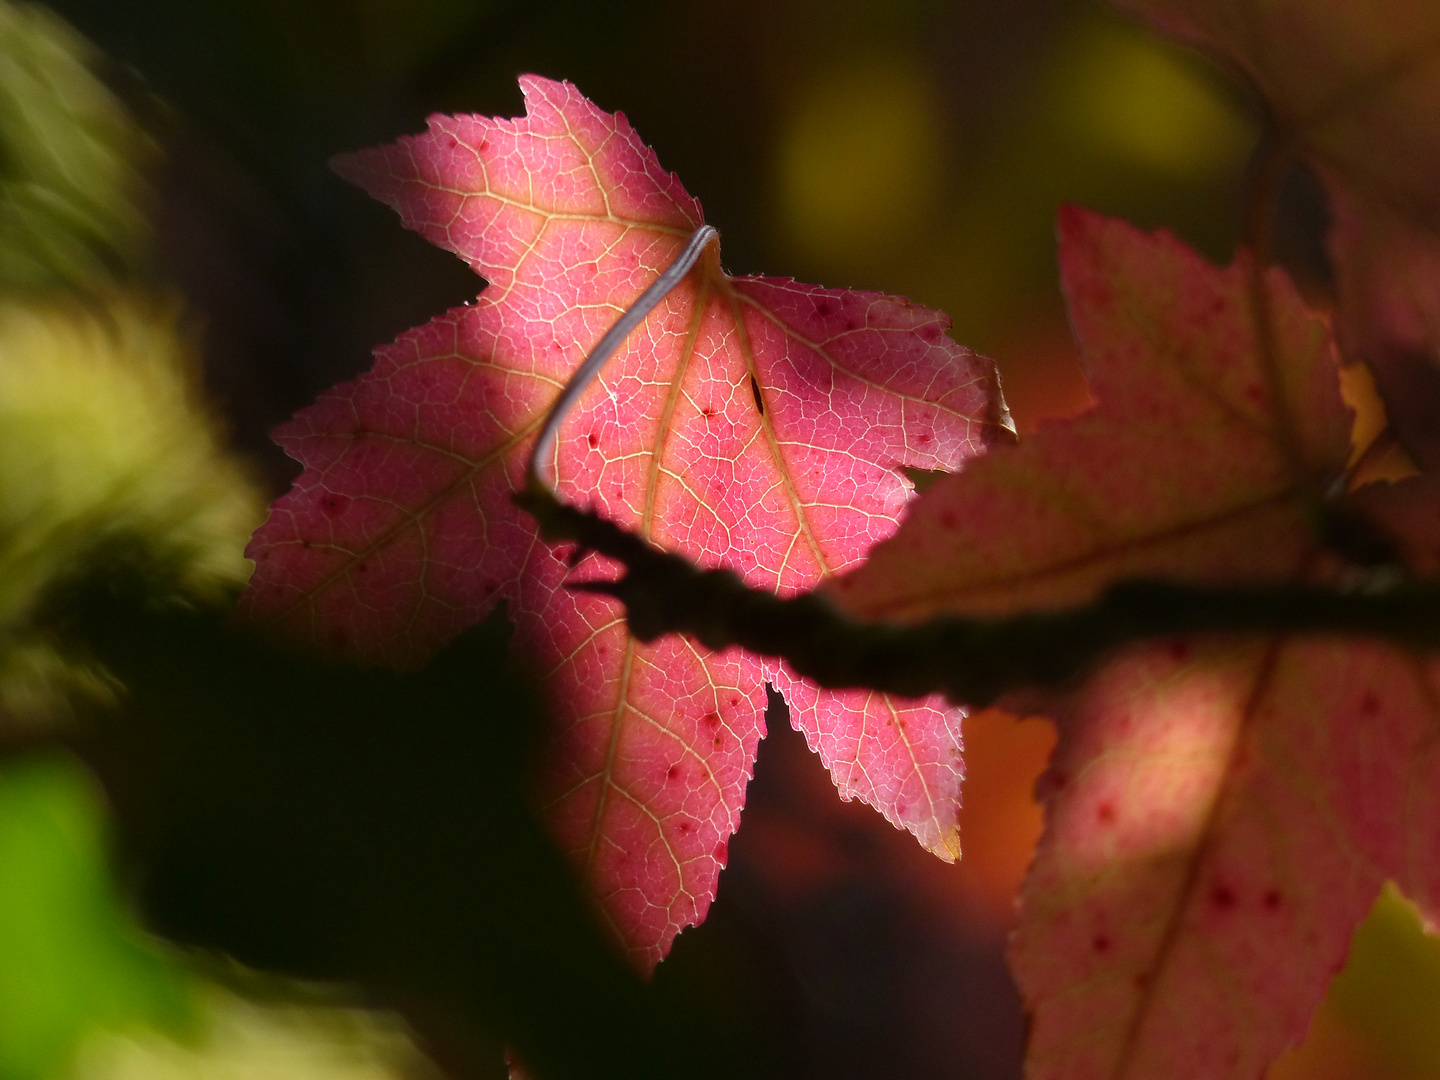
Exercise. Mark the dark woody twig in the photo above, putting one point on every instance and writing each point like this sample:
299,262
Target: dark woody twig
972,661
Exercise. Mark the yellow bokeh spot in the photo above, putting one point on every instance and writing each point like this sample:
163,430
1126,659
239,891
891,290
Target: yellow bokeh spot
859,158
1147,102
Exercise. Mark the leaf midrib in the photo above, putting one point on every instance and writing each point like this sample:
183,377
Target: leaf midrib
622,702
1092,557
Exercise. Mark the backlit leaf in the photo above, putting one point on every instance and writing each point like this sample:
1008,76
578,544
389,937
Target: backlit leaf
754,422
1221,812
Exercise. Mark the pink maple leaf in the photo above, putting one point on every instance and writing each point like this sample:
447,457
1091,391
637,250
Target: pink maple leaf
1221,811
754,422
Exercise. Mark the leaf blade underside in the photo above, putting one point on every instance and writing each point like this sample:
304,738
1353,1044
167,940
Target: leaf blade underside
1220,812
753,422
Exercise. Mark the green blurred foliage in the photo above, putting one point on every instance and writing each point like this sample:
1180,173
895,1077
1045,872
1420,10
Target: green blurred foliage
101,438
71,159
85,996
69,959
241,1038
102,433
1119,121
104,441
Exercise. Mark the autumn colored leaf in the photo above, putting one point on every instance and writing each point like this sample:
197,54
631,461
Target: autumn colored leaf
1354,86
1181,466
754,422
1221,812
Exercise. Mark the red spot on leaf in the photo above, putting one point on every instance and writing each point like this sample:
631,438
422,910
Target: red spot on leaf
1052,781
1100,943
1222,897
1105,812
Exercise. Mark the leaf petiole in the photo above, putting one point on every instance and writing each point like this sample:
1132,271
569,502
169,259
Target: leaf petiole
540,470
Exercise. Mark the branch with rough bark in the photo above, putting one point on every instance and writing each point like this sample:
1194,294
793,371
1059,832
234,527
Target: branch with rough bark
970,660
